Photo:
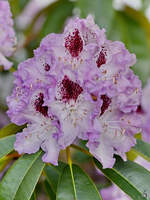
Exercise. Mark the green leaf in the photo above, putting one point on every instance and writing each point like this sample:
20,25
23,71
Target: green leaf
15,176
130,31
76,186
101,9
132,178
142,149
30,180
49,191
57,14
52,175
10,129
6,145
33,197
79,156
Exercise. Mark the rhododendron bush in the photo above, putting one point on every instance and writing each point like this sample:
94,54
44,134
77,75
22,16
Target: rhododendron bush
78,104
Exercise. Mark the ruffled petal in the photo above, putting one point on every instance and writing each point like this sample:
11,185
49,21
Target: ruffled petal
51,147
30,140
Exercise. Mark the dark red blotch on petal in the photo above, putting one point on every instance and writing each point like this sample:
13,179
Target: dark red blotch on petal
47,67
39,105
70,89
140,109
106,103
74,43
101,59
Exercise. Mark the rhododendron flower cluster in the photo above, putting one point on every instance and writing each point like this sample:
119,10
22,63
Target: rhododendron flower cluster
7,35
77,85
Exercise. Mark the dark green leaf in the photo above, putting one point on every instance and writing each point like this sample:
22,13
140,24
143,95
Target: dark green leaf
101,9
16,175
52,174
33,197
76,185
143,149
30,180
79,156
6,145
132,178
10,129
49,191
57,14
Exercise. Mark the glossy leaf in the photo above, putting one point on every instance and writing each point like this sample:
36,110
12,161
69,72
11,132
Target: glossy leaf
132,178
6,145
15,176
10,129
57,14
101,9
30,180
49,191
52,175
76,187
33,197
143,149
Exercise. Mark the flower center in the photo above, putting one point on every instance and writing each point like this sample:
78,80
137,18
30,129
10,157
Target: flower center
47,67
70,89
39,105
101,59
106,103
74,43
